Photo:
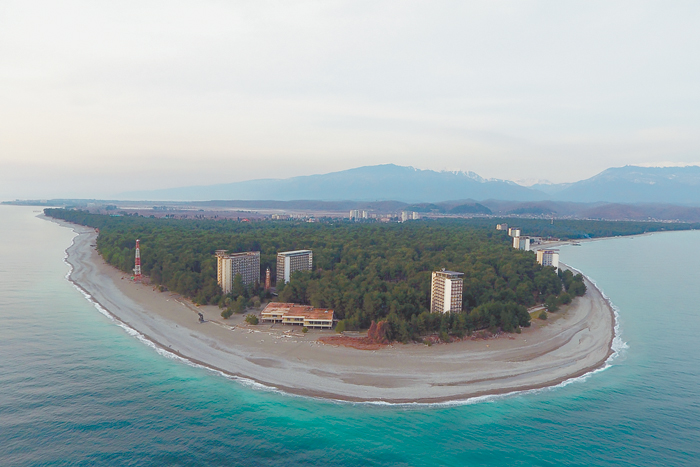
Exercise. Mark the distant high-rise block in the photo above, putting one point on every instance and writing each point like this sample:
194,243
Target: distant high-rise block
521,243
548,257
291,261
446,291
247,264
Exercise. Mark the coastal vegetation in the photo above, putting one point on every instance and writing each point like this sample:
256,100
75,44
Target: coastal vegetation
365,272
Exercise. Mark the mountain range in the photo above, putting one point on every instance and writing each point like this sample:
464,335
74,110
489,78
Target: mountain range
629,184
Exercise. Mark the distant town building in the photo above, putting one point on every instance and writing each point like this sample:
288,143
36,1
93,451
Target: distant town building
291,261
501,226
548,257
365,215
446,291
295,314
521,243
514,231
247,264
355,214
409,215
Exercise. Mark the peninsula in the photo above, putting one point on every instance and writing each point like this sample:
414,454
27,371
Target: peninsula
571,343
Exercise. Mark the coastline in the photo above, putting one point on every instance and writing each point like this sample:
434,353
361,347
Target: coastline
571,344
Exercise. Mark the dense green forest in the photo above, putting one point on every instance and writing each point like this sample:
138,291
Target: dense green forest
364,271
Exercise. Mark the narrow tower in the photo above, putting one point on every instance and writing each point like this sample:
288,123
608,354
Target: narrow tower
268,279
137,263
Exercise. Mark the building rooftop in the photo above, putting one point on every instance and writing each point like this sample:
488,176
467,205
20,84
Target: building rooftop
450,273
295,252
224,253
295,309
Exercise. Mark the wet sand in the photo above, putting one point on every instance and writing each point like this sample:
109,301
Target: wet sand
574,341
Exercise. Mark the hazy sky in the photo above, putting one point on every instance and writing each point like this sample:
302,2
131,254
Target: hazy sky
97,97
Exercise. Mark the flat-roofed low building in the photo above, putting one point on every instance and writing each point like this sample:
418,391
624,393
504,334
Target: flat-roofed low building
548,257
446,291
247,264
291,261
295,314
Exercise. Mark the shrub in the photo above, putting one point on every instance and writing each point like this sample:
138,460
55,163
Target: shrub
552,303
565,298
340,327
226,314
251,319
304,329
542,315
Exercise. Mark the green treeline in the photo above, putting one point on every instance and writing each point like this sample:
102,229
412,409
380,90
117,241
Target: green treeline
364,271
570,229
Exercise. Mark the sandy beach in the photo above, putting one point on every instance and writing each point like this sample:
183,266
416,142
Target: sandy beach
572,342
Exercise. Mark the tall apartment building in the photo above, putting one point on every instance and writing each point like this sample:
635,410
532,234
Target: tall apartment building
548,257
355,214
290,261
247,264
501,226
521,243
446,291
409,215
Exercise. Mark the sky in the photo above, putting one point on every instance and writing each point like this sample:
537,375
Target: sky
99,98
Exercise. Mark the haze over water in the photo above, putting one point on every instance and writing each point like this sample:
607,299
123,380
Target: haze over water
76,389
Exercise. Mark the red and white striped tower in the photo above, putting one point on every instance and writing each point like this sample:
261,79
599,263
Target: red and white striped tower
137,265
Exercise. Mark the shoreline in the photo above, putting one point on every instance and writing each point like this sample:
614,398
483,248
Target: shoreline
399,374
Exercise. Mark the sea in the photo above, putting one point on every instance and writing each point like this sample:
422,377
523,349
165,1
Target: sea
77,389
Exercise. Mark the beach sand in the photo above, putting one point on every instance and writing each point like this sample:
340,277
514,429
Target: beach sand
572,342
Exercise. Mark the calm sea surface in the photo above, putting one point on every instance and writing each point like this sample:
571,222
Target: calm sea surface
76,389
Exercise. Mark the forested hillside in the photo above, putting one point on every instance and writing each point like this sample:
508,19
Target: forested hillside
364,272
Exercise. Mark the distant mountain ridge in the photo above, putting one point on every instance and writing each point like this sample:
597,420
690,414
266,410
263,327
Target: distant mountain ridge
632,184
629,184
370,183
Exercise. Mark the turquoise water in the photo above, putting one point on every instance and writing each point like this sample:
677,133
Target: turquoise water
76,389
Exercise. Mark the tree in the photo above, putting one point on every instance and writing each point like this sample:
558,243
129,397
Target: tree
551,303
239,305
238,287
251,319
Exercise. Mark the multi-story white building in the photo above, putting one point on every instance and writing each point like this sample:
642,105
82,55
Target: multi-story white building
247,264
355,214
446,291
521,243
548,257
409,215
501,226
290,261
514,231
